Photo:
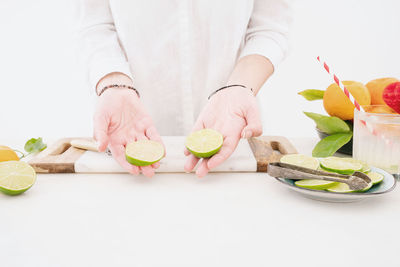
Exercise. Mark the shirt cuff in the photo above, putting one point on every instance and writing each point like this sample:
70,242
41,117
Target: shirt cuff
100,69
264,46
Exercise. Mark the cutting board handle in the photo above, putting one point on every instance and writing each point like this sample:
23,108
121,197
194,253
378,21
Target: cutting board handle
268,149
60,157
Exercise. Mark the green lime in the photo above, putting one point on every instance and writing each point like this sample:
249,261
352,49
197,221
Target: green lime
204,143
376,177
344,188
16,177
315,184
144,152
301,160
365,166
340,165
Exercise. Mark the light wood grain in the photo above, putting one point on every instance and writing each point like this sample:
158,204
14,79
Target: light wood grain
60,157
268,149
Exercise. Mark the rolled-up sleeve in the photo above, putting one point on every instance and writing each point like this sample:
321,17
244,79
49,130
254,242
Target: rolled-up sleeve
98,45
268,29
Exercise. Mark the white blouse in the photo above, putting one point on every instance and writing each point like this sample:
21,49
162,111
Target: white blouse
178,51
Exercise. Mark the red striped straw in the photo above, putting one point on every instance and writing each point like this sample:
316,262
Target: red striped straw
341,85
351,97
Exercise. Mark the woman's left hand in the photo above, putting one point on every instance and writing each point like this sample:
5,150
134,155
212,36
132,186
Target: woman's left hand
234,113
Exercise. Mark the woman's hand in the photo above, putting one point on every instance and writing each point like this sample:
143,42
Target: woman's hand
120,118
234,113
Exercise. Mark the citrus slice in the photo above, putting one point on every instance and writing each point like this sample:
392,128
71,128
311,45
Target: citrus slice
301,160
144,152
340,165
376,177
344,188
16,177
204,143
7,154
365,166
315,184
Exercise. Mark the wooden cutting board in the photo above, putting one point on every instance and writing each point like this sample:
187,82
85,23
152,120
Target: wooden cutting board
251,155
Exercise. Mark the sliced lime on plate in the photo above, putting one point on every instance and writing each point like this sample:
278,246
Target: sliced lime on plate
365,166
376,177
204,143
144,152
344,188
340,165
315,184
301,160
16,177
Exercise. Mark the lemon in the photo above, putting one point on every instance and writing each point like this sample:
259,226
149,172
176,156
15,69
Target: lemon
7,154
16,177
301,160
144,152
204,143
340,165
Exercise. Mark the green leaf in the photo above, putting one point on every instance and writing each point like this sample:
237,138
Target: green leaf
329,125
330,144
312,94
34,145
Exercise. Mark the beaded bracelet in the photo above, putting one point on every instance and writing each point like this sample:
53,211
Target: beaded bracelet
118,86
228,86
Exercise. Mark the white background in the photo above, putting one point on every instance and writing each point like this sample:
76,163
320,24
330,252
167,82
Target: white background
43,92
224,220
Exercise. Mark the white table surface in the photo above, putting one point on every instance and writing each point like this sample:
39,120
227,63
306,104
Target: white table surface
235,219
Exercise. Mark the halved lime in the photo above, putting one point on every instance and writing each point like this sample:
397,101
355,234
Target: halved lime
340,165
144,152
204,143
16,177
376,177
301,160
315,184
365,166
344,188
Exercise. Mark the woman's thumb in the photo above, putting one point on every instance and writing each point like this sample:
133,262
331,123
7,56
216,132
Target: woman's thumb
254,125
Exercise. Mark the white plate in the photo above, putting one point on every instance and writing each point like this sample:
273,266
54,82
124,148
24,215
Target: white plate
387,185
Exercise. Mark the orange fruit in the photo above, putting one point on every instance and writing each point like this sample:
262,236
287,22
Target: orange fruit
7,154
337,104
379,109
376,88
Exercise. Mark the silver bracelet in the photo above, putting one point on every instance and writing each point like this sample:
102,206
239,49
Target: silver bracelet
118,86
228,86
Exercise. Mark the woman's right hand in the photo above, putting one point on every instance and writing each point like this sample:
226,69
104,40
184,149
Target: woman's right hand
120,118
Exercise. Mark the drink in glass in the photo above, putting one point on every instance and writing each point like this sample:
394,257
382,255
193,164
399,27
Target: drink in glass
376,138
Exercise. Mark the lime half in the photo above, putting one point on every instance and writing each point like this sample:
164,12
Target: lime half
315,184
301,160
144,152
204,143
344,188
16,177
340,165
376,177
